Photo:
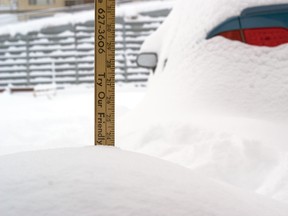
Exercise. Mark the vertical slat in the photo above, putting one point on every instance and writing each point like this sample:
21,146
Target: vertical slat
124,50
76,56
28,59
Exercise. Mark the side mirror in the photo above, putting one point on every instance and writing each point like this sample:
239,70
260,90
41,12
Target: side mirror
147,60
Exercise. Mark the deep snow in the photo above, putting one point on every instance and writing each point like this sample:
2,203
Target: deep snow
107,181
239,137
219,107
47,121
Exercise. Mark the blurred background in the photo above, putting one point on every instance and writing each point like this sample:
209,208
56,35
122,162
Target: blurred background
46,42
47,68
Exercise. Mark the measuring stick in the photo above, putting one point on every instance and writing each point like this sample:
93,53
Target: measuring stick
105,72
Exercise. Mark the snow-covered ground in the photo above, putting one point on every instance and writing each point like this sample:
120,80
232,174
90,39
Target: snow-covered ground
105,181
47,121
108,181
7,18
218,109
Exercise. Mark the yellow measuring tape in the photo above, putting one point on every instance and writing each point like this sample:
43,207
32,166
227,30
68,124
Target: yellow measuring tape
105,72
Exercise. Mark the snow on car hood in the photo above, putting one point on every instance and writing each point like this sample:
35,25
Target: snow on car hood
217,106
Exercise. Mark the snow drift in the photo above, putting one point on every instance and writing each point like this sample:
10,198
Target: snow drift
34,123
219,107
108,181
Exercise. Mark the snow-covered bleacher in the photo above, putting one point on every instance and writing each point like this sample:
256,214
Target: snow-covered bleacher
62,52
66,51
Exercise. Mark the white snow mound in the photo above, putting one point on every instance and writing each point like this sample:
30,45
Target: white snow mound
108,181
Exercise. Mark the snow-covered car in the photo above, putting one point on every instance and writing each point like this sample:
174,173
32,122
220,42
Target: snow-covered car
258,26
217,106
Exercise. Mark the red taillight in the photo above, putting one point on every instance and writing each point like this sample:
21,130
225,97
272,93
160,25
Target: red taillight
259,37
266,36
232,35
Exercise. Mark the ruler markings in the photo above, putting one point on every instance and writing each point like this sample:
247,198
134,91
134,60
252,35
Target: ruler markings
105,72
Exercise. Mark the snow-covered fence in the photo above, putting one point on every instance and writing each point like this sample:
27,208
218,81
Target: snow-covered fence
130,34
25,60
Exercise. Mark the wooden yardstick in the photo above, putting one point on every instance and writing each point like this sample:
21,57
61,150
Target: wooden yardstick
105,72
